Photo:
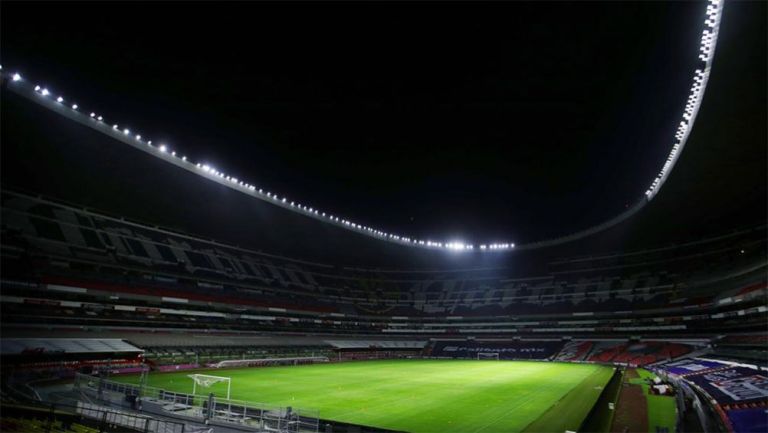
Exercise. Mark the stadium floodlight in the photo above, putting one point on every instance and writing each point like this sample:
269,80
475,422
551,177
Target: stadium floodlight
126,131
138,136
99,118
183,158
114,126
707,41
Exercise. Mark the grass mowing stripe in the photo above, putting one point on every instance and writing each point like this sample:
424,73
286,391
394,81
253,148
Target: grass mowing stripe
569,412
419,396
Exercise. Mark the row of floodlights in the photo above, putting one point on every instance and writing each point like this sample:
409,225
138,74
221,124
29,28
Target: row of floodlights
708,40
208,170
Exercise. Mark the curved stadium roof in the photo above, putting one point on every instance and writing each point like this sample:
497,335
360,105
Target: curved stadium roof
61,158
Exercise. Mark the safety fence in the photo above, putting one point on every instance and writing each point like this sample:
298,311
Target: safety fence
84,417
202,408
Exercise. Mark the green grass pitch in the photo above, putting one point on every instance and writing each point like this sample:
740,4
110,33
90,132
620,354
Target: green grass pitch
421,396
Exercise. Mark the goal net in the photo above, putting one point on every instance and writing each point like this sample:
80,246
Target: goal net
486,355
206,381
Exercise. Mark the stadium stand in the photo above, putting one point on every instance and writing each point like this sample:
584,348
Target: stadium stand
736,389
639,353
574,351
83,269
513,349
89,293
18,346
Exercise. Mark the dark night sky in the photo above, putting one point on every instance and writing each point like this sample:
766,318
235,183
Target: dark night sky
515,121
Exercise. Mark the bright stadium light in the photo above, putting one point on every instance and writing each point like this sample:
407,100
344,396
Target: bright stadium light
126,131
707,37
99,118
138,136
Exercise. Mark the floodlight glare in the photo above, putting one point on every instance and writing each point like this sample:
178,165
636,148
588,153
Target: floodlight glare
706,48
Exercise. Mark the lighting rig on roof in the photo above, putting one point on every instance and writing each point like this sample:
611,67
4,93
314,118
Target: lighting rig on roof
701,76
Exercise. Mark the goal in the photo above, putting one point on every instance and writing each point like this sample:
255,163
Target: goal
486,355
205,380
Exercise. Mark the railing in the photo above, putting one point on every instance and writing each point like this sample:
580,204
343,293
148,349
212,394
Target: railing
203,409
58,417
115,417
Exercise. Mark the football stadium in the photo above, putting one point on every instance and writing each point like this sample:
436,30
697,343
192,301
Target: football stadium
439,217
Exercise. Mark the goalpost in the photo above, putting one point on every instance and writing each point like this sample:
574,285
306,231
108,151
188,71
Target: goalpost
487,355
206,380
